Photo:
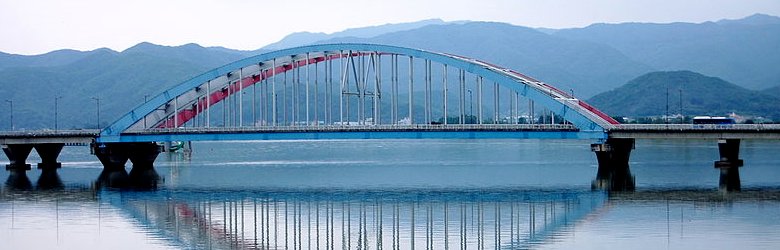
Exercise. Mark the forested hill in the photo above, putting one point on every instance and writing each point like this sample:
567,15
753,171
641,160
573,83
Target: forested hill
701,95
120,79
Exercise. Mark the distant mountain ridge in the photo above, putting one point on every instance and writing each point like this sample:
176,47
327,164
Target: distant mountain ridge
646,95
191,53
305,38
755,19
743,51
54,58
588,68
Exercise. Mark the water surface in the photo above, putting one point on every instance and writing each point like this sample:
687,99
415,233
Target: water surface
396,194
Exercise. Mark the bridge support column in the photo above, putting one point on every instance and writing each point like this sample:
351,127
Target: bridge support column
113,156
17,156
729,164
49,153
142,155
613,173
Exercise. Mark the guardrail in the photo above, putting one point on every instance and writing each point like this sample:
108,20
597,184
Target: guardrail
694,127
363,128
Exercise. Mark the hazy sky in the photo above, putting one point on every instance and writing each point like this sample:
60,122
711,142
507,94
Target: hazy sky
39,26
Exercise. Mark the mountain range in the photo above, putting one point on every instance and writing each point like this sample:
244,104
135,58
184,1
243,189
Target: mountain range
304,38
745,52
120,79
588,61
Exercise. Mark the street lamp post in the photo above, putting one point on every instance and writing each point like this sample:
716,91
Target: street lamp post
56,112
471,104
666,118
97,105
145,101
11,103
682,117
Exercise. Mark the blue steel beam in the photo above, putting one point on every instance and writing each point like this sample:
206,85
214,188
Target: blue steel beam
228,136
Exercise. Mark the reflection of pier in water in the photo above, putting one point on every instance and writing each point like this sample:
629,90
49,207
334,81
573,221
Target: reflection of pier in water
358,220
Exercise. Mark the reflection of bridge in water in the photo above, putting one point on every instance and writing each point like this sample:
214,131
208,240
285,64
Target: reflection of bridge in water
365,219
280,219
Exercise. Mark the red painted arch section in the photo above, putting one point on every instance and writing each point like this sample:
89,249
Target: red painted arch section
598,113
185,115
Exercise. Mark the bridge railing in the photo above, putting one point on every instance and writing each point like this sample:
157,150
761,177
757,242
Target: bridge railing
361,128
688,127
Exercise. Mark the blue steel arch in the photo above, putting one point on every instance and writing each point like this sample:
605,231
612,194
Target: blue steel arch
581,115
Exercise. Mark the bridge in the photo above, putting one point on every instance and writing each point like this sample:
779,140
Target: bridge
366,91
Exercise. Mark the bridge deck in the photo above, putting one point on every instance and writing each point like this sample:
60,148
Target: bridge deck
80,136
423,131
415,131
696,131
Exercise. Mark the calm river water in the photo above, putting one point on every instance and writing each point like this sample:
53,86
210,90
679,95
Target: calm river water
399,194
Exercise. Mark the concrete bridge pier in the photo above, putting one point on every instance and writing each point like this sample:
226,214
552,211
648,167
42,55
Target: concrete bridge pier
729,165
17,156
613,173
113,156
49,153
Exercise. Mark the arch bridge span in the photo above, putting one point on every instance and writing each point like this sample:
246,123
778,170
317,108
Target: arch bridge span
359,88
368,91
